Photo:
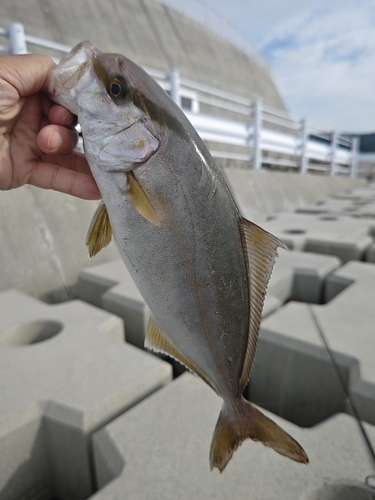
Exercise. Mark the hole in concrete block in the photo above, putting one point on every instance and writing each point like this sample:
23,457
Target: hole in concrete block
295,231
288,376
32,333
328,217
340,491
44,459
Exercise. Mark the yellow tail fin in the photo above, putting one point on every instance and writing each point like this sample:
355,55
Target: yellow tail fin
231,430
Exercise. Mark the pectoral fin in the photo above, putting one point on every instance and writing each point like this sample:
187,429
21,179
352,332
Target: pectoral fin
99,233
139,200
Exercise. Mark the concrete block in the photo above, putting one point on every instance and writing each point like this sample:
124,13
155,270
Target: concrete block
159,449
348,324
370,253
356,208
363,192
352,207
111,287
296,379
344,237
309,272
260,194
65,371
42,242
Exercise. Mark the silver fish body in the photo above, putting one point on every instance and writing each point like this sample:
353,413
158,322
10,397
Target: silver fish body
202,269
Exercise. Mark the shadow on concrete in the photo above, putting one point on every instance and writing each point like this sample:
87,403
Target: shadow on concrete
298,381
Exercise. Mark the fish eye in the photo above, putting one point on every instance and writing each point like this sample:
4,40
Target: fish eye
117,88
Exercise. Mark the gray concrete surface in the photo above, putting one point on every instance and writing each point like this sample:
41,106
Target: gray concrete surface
365,193
111,287
360,203
370,253
159,449
347,321
301,276
42,242
342,236
260,194
65,371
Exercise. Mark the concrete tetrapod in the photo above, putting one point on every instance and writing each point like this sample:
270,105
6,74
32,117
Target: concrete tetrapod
65,372
344,237
292,367
159,449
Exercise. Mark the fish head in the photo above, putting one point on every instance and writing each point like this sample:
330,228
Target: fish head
103,91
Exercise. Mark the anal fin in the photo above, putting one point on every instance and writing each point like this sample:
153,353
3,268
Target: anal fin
157,341
99,234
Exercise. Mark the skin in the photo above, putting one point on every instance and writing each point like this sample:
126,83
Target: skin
37,138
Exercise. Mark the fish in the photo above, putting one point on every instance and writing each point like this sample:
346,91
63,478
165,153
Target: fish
201,267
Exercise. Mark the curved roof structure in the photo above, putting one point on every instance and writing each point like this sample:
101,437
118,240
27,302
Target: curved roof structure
152,35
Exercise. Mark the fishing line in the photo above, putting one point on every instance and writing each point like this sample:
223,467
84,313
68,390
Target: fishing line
351,401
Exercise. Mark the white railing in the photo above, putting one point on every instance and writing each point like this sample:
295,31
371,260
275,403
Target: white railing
253,132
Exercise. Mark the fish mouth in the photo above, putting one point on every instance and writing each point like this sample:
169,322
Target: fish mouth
73,74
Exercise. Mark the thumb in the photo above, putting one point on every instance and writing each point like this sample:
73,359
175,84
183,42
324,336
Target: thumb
27,73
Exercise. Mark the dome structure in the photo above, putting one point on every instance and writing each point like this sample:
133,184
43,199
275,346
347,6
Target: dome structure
151,34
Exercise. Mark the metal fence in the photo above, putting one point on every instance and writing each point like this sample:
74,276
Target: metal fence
237,128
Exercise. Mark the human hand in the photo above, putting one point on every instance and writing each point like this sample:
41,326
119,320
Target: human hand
37,137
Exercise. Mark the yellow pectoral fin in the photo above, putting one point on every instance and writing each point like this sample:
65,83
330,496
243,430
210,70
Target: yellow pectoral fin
140,201
99,233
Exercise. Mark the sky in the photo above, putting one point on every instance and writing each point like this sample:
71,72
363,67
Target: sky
321,54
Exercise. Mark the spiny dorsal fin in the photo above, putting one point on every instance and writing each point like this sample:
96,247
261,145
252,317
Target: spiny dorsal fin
140,201
99,233
157,341
261,252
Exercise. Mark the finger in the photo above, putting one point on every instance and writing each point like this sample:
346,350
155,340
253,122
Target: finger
54,139
61,116
46,104
74,161
27,73
50,176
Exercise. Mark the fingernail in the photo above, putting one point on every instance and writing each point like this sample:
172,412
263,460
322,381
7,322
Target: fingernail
54,140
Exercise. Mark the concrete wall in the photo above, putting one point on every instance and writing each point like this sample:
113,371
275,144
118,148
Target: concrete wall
42,233
149,33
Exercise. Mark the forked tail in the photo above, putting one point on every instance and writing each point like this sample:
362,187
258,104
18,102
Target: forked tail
231,430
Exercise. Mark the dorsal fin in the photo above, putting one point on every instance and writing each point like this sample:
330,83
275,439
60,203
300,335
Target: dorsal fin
139,200
261,251
99,233
158,342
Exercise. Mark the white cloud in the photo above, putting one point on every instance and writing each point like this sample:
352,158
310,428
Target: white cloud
322,54
324,65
